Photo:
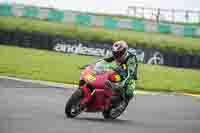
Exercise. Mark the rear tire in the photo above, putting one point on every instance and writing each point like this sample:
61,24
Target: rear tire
109,114
73,102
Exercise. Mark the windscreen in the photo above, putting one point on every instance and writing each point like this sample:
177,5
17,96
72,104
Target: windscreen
102,66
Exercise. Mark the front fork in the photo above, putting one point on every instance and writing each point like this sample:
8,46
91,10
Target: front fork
88,93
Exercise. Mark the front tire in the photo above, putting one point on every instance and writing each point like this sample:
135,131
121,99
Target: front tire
73,106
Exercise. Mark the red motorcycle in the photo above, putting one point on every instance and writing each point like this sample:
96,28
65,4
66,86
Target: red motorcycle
95,92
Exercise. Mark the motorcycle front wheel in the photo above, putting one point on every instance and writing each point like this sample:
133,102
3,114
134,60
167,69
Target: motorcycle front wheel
114,113
73,106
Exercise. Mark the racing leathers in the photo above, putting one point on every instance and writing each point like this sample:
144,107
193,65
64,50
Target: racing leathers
128,71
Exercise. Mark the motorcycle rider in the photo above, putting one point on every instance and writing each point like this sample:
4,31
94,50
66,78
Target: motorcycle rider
127,68
127,65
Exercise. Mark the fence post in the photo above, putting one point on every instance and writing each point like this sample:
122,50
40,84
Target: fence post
143,12
173,15
199,16
158,15
128,12
186,16
135,11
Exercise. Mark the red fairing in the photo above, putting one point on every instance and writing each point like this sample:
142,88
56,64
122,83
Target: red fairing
99,83
98,97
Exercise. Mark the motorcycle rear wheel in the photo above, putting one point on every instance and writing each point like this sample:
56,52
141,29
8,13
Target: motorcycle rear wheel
111,114
73,106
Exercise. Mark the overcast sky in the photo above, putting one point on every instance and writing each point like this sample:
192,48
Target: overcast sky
112,6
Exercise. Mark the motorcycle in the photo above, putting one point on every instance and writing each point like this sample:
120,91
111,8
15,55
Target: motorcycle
96,87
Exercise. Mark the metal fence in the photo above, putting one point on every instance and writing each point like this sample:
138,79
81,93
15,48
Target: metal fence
108,22
170,15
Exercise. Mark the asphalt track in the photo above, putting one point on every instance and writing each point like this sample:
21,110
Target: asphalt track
34,108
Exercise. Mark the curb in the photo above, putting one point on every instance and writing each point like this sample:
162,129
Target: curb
62,85
47,83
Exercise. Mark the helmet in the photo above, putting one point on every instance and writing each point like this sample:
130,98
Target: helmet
119,50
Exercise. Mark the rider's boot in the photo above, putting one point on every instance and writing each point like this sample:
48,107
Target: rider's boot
124,103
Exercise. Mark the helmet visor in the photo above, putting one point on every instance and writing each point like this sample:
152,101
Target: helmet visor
118,54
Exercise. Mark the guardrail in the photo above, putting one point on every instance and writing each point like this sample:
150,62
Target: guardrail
90,19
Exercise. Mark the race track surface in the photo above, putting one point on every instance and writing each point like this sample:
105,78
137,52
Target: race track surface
34,108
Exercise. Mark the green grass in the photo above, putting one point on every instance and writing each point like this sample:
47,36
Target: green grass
165,42
59,67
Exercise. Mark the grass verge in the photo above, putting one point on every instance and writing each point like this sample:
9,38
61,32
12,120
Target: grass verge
59,67
165,42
